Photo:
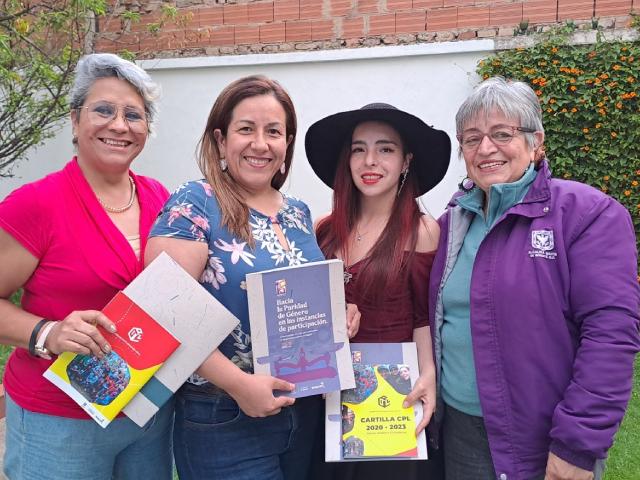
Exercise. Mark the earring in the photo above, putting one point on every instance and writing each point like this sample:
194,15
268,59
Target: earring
466,185
283,168
223,164
404,179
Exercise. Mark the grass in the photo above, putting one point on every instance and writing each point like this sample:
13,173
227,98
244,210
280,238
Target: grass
624,456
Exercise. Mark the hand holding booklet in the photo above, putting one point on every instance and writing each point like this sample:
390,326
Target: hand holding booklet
178,322
369,422
298,326
103,386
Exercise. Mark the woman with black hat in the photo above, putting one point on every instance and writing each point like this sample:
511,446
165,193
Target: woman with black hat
378,160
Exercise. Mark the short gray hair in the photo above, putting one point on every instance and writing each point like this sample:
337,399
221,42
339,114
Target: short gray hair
105,65
515,100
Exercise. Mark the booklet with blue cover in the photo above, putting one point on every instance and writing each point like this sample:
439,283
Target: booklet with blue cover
298,327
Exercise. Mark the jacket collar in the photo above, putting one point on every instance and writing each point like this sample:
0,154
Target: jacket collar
537,201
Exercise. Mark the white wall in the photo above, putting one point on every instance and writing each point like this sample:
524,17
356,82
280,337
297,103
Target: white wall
427,80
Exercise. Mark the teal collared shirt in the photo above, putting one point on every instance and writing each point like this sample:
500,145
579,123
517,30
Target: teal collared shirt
459,386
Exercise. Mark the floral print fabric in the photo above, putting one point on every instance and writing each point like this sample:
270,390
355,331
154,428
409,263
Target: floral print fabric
192,213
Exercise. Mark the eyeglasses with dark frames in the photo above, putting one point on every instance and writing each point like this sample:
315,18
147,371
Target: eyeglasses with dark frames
499,135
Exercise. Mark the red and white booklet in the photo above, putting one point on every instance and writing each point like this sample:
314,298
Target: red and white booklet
102,387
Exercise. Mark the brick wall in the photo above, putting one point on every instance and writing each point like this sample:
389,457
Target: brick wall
223,27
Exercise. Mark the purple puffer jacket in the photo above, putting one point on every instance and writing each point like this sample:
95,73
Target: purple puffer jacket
554,323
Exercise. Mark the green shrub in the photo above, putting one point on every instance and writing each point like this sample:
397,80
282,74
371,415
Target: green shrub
591,109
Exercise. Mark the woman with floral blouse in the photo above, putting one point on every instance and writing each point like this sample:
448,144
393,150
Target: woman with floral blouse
235,221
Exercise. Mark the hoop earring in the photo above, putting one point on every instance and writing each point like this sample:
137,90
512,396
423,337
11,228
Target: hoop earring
283,168
466,185
404,179
223,164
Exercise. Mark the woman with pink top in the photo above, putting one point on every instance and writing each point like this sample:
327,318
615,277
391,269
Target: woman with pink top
72,240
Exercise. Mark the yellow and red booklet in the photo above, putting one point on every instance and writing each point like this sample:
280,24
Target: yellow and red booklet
102,387
369,421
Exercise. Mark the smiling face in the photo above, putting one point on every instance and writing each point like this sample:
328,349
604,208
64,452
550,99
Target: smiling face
110,147
377,159
255,143
490,163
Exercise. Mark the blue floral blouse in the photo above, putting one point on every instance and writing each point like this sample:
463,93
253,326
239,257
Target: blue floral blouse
192,213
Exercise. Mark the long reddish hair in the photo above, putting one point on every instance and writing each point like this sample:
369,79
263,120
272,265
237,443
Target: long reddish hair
393,251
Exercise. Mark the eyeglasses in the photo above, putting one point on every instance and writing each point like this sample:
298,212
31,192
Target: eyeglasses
101,113
500,135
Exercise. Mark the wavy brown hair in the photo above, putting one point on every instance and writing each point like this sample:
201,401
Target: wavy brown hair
235,212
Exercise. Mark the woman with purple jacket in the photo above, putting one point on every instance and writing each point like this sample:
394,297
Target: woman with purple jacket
534,304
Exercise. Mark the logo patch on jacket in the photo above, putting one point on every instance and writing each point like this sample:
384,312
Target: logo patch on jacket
542,243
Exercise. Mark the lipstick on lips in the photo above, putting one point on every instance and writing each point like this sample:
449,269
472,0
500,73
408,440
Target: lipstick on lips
370,178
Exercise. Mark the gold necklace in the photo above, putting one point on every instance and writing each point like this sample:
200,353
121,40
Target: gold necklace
124,208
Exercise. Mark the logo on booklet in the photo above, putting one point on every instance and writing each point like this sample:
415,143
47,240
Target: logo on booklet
281,287
543,244
135,334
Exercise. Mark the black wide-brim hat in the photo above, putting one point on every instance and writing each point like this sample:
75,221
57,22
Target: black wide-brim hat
431,148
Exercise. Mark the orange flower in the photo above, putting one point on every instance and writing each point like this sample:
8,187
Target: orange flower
554,50
627,193
574,110
616,67
552,100
564,110
538,92
637,172
585,130
572,80
634,183
598,125
604,76
555,62
614,134
573,88
606,178
602,111
618,105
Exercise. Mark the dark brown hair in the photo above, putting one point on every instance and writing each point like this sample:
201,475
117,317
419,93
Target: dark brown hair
235,213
